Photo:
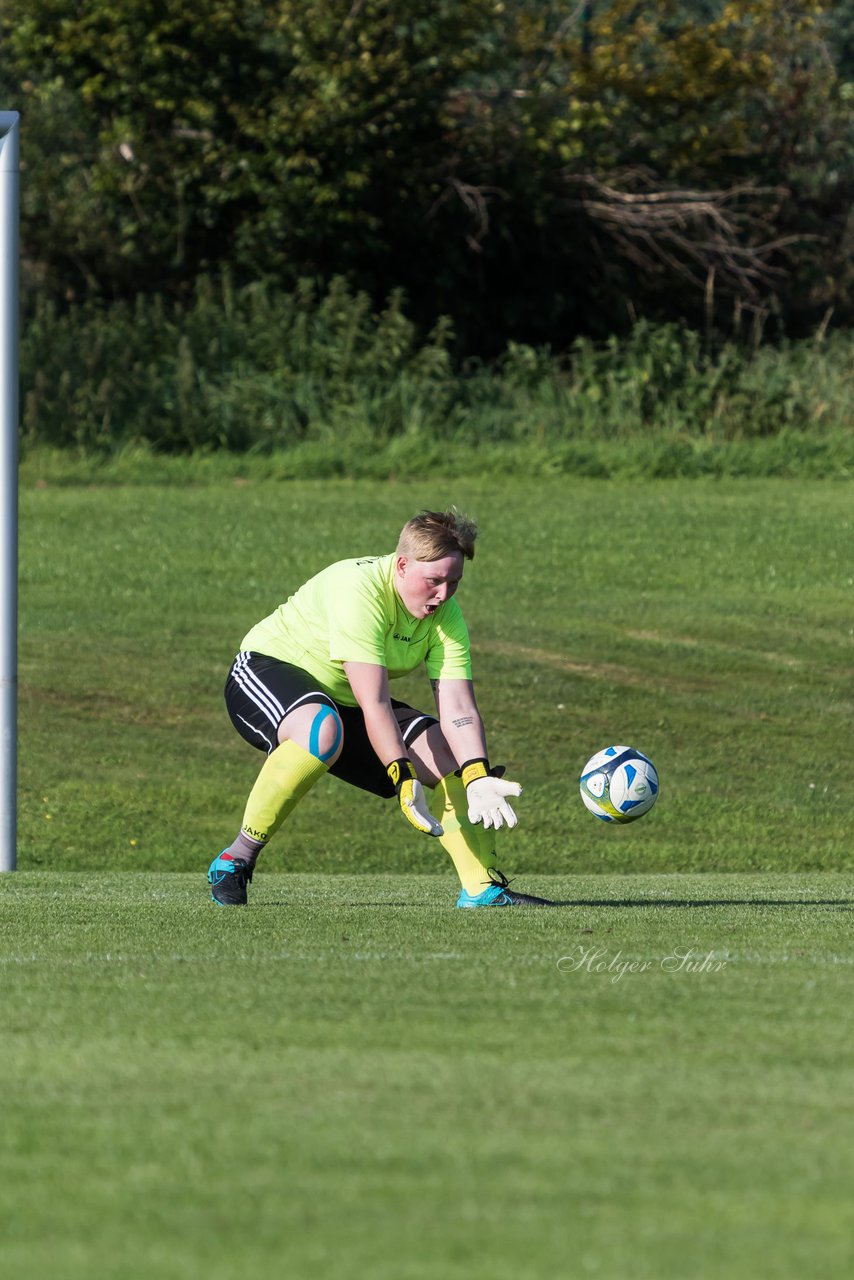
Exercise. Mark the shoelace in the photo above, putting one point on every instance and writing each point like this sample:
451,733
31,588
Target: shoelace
498,878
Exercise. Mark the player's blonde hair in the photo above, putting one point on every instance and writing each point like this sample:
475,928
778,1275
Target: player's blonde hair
432,535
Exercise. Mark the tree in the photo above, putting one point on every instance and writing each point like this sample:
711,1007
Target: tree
534,168
695,157
293,137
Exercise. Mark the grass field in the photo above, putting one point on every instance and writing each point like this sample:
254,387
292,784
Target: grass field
351,1079
708,624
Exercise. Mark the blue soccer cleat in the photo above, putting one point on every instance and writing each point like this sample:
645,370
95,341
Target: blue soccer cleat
228,879
497,894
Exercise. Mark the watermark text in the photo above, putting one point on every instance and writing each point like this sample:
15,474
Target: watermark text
615,966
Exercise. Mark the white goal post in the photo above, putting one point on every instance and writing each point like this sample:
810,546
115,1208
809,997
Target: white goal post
9,269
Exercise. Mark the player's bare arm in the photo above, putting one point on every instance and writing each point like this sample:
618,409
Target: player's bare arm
369,683
460,719
463,729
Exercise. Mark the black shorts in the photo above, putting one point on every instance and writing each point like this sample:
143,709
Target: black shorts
261,691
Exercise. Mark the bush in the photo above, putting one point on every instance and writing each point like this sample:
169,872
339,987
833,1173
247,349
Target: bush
321,376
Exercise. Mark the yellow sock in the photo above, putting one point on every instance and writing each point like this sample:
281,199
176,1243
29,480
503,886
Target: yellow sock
470,847
286,775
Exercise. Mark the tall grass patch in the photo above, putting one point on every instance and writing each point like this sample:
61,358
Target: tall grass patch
318,384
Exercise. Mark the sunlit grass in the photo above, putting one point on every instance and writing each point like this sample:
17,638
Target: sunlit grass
352,1079
708,624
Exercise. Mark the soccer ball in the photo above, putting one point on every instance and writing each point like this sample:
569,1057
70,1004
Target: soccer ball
619,784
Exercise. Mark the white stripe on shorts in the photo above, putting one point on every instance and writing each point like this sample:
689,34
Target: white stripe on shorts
256,692
271,746
264,700
413,726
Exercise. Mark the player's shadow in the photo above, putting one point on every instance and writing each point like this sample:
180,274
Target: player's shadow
845,903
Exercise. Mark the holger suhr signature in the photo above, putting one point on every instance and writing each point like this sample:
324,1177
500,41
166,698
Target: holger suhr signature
587,959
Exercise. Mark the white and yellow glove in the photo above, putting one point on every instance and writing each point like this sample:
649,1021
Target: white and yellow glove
410,795
487,794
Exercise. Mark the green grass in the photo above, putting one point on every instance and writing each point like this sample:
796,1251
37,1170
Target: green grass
707,623
350,1079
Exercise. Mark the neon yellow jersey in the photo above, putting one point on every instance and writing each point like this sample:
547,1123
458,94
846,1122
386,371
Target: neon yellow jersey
351,612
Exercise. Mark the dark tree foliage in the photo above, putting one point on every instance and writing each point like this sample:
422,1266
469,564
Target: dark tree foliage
535,170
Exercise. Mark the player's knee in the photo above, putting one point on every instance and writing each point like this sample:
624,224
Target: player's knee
317,728
326,733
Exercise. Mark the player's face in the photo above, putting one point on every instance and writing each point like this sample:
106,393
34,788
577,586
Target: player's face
423,585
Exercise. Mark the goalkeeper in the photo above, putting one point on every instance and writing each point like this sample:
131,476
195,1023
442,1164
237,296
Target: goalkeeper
310,687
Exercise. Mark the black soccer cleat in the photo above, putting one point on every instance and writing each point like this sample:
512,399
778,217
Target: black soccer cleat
228,879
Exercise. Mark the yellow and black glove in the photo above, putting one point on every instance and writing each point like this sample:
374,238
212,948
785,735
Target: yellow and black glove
411,798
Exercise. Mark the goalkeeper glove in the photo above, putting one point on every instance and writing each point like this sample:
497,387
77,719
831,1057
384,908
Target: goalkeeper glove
487,794
410,795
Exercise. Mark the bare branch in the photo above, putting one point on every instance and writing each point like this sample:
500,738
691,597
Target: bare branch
475,200
700,236
559,35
